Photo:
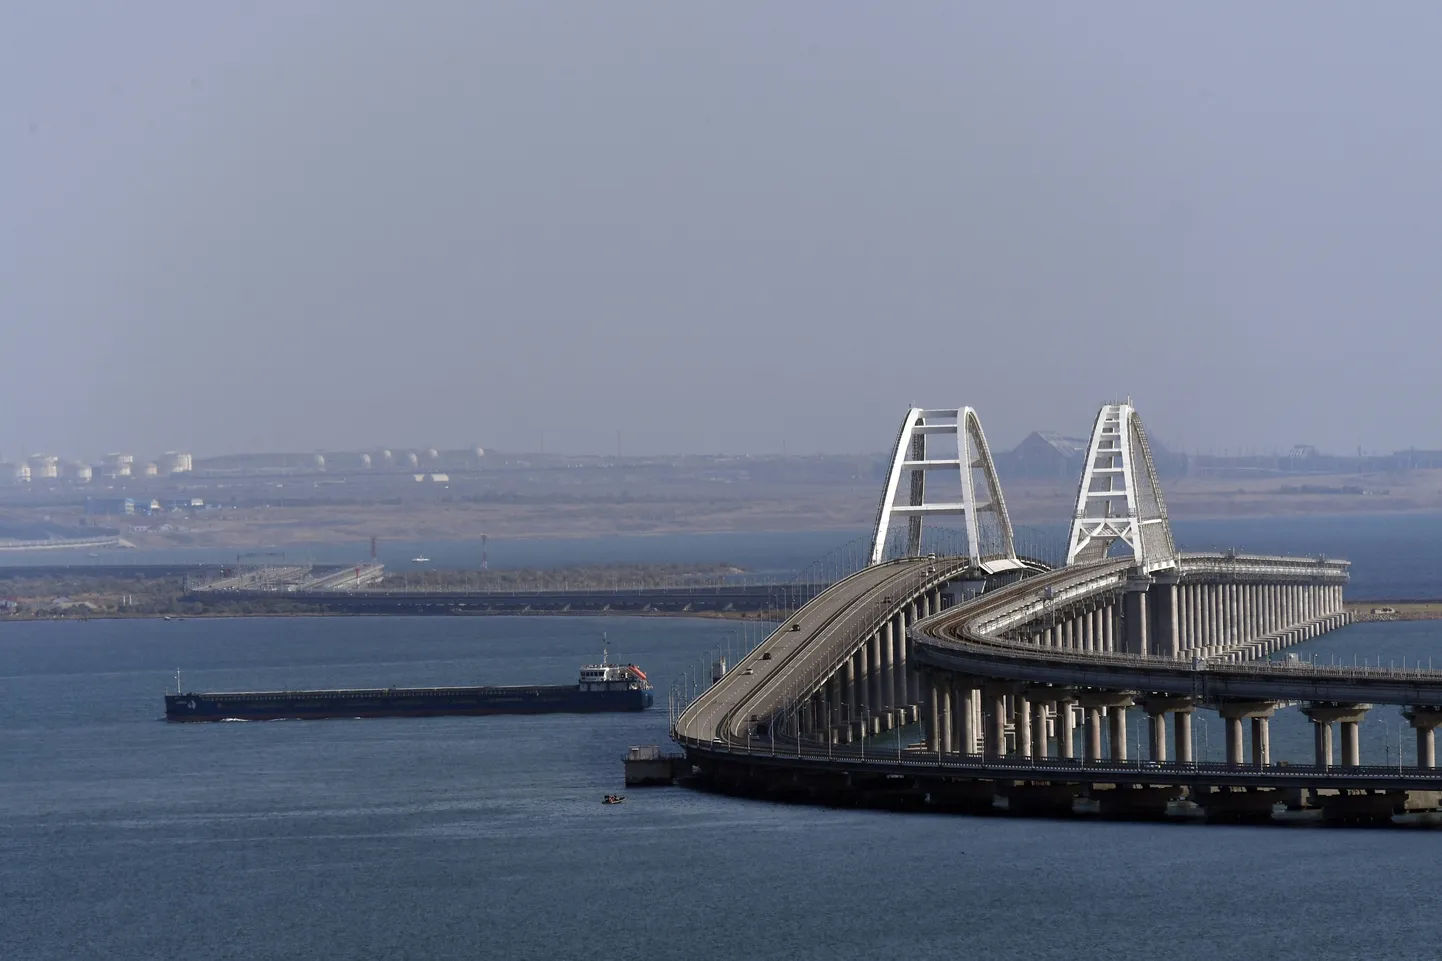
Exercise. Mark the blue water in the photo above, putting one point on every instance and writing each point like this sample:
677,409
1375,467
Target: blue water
122,836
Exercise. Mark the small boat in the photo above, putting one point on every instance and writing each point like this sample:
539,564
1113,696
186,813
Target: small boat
420,560
613,799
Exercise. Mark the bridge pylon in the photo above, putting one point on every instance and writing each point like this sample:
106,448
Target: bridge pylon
1119,498
925,446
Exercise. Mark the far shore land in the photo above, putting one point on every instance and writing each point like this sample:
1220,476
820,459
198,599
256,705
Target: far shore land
690,511
85,593
1361,611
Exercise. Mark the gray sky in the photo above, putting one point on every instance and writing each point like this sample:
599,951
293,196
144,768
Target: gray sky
306,224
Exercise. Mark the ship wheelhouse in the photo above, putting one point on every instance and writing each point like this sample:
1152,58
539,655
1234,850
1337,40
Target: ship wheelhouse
612,677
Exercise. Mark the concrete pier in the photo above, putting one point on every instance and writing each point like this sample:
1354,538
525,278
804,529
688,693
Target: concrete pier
1424,721
1260,713
1066,728
1348,717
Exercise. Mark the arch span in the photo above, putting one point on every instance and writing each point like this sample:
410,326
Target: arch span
1119,498
976,497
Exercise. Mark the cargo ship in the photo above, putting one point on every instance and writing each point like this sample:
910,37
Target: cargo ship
601,687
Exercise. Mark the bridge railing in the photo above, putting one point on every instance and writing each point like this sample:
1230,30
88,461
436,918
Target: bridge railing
949,631
895,755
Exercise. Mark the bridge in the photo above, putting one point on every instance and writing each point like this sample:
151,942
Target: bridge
986,680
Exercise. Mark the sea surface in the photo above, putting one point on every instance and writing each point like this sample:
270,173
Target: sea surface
124,837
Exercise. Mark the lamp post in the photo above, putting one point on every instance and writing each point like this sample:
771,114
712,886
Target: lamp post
830,732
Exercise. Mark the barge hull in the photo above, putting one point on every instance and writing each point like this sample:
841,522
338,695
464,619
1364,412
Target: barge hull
401,702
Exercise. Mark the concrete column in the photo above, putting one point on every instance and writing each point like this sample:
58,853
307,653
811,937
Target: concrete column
899,696
1066,729
1194,617
1231,617
1199,620
976,720
1241,623
1092,735
1322,734
1038,729
863,681
959,716
1157,728
848,685
873,680
1184,617
1204,615
1349,716
967,712
1134,615
933,715
996,725
886,697
1167,641
1109,627
1261,742
1351,743
948,721
1233,713
1118,718
1234,740
1218,618
1022,709
1425,721
1249,610
1182,736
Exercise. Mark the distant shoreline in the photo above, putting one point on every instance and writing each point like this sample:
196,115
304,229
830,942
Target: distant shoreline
307,540
1362,613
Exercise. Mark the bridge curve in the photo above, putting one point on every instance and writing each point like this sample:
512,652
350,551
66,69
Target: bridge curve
981,639
849,644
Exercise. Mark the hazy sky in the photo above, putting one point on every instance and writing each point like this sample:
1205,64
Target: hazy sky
302,224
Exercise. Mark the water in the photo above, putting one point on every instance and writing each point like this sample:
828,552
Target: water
122,836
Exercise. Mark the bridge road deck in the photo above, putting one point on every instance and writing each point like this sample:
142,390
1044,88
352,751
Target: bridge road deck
830,628
968,639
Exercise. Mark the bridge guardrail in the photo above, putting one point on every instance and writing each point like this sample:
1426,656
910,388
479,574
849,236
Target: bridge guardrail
1280,774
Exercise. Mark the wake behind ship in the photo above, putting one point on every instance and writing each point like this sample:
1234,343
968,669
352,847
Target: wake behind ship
601,687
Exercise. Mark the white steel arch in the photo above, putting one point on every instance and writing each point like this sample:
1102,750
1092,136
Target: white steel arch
988,528
1119,498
